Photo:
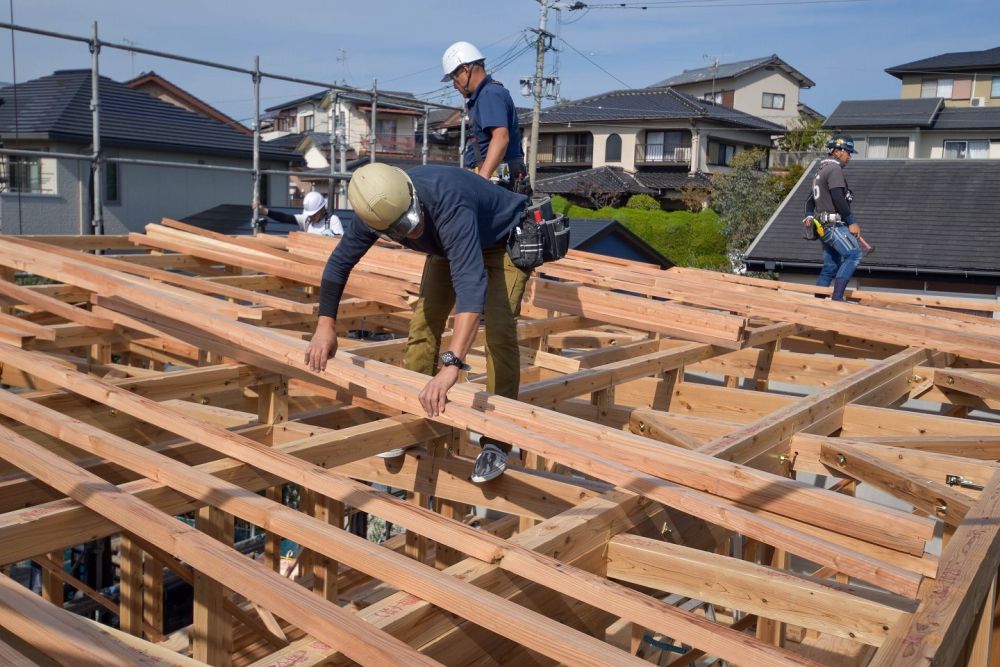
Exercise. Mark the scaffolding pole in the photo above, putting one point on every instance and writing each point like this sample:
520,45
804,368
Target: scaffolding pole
96,168
256,146
373,137
425,149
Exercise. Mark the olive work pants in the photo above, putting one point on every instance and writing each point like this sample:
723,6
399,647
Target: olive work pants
505,285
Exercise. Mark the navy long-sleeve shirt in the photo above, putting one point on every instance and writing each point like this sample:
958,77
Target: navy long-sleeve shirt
463,214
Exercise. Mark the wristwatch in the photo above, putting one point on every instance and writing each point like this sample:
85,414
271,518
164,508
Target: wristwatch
450,359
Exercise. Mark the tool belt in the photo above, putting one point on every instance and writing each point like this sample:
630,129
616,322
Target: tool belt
513,176
541,236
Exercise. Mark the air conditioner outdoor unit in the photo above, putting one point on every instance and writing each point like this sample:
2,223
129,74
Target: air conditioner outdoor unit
977,102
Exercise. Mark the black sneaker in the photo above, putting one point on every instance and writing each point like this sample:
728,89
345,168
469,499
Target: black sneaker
490,464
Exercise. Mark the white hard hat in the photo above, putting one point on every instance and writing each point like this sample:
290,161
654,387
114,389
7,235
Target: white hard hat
313,202
381,195
458,54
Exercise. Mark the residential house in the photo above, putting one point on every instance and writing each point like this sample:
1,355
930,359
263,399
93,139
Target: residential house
306,123
766,87
54,195
919,128
153,84
961,79
662,137
933,224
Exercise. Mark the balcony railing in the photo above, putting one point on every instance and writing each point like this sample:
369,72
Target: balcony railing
389,143
570,154
785,159
662,154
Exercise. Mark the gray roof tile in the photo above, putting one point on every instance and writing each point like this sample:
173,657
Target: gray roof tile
922,215
58,107
917,112
729,70
959,61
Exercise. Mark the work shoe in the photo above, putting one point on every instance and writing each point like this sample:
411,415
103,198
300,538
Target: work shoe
490,464
392,453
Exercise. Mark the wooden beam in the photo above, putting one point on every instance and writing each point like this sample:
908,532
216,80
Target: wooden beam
758,589
250,579
937,632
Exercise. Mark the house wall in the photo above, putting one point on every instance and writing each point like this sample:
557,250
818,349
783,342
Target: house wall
749,90
932,145
147,193
58,213
981,86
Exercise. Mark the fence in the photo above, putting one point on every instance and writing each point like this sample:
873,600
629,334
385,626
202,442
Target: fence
99,161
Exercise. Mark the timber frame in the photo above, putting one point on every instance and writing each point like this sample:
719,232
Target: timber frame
712,467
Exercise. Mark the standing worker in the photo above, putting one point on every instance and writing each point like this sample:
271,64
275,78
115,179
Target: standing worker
314,219
495,149
462,223
829,204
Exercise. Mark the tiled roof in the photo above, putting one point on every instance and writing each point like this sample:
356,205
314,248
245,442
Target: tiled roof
57,107
671,180
651,104
930,216
729,70
917,112
610,180
959,61
928,113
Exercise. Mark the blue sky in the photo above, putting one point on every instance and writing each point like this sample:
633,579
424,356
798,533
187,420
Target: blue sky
843,46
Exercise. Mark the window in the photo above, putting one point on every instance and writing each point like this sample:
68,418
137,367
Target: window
773,101
613,148
715,98
665,146
112,190
720,154
995,87
967,150
307,123
961,89
881,148
936,88
28,174
574,148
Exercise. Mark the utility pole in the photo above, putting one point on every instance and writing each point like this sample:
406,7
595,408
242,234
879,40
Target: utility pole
542,44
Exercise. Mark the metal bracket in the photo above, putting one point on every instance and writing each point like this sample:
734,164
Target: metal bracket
958,480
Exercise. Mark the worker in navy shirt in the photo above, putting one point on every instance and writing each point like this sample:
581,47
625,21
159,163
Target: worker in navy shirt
495,149
462,222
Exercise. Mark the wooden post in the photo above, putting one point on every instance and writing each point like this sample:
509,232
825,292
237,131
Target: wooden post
52,586
212,629
763,369
152,597
324,567
272,408
130,585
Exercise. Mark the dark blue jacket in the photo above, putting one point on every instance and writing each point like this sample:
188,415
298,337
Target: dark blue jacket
463,214
490,106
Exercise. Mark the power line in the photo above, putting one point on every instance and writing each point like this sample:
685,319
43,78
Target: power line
582,55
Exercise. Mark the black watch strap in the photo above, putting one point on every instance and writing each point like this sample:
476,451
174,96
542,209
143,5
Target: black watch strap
449,358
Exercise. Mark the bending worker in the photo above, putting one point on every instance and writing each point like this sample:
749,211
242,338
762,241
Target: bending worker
495,149
462,222
314,219
830,204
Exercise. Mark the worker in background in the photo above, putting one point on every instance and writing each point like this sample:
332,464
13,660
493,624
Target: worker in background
830,205
462,222
495,150
315,217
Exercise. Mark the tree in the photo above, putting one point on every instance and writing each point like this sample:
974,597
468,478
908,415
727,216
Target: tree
805,135
744,198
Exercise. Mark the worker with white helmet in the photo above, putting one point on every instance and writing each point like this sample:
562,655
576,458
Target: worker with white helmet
495,147
463,224
315,218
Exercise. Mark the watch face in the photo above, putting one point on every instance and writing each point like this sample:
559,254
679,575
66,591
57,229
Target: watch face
449,359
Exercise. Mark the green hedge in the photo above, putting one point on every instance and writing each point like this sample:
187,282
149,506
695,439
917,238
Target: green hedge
685,238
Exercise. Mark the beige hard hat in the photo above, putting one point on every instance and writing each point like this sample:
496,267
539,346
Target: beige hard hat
380,195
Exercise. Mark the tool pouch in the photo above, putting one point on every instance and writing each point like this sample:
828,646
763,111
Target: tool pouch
540,237
809,229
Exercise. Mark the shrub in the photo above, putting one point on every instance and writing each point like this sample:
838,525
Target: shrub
642,202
